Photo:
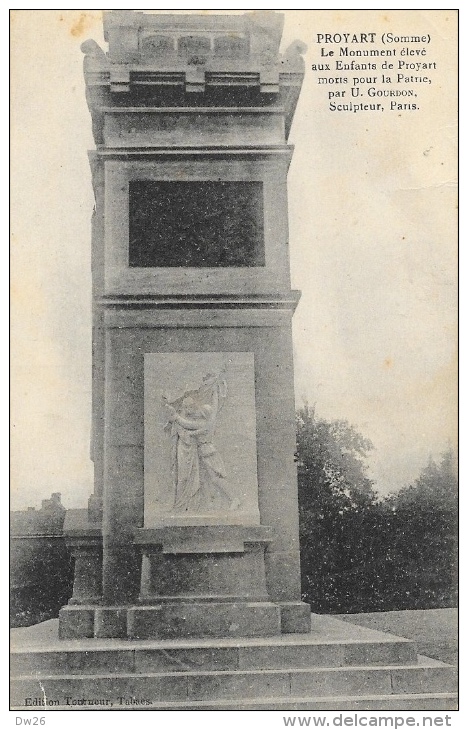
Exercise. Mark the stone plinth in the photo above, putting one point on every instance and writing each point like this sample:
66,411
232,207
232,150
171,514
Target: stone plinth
205,563
203,580
198,620
84,540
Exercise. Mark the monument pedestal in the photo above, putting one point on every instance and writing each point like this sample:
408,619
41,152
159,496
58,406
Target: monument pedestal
203,580
203,563
182,619
196,581
84,540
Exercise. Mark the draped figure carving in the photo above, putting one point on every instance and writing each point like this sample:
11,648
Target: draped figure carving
199,474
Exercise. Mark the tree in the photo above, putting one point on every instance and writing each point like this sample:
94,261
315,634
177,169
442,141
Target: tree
330,458
336,502
424,536
436,487
360,553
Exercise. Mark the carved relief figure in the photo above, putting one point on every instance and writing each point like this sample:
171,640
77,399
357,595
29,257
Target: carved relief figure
198,469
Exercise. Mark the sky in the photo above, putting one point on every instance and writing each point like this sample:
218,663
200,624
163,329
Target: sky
373,246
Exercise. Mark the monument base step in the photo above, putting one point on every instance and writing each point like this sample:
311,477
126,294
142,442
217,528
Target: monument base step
192,618
173,620
398,703
337,666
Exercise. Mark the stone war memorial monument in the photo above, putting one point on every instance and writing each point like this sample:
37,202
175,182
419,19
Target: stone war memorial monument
187,590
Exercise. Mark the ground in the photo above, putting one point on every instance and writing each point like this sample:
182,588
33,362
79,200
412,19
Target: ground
435,630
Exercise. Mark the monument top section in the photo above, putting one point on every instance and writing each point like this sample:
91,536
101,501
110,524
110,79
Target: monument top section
157,59
191,116
143,37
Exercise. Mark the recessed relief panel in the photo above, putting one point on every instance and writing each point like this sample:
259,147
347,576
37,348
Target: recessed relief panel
200,439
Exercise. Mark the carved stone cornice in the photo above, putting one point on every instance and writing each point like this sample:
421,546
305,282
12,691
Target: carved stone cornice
186,60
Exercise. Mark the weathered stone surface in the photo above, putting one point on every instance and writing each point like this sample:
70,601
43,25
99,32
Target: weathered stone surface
76,622
84,540
284,656
203,562
80,661
198,127
230,685
434,677
201,659
336,682
271,673
295,618
110,622
173,620
380,653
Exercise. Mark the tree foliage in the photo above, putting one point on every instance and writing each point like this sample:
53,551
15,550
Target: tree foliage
360,553
331,462
435,488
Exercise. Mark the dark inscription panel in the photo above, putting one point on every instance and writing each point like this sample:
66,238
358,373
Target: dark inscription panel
197,224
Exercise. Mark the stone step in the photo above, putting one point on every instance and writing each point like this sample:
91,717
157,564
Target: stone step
172,657
437,701
335,666
331,643
425,677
